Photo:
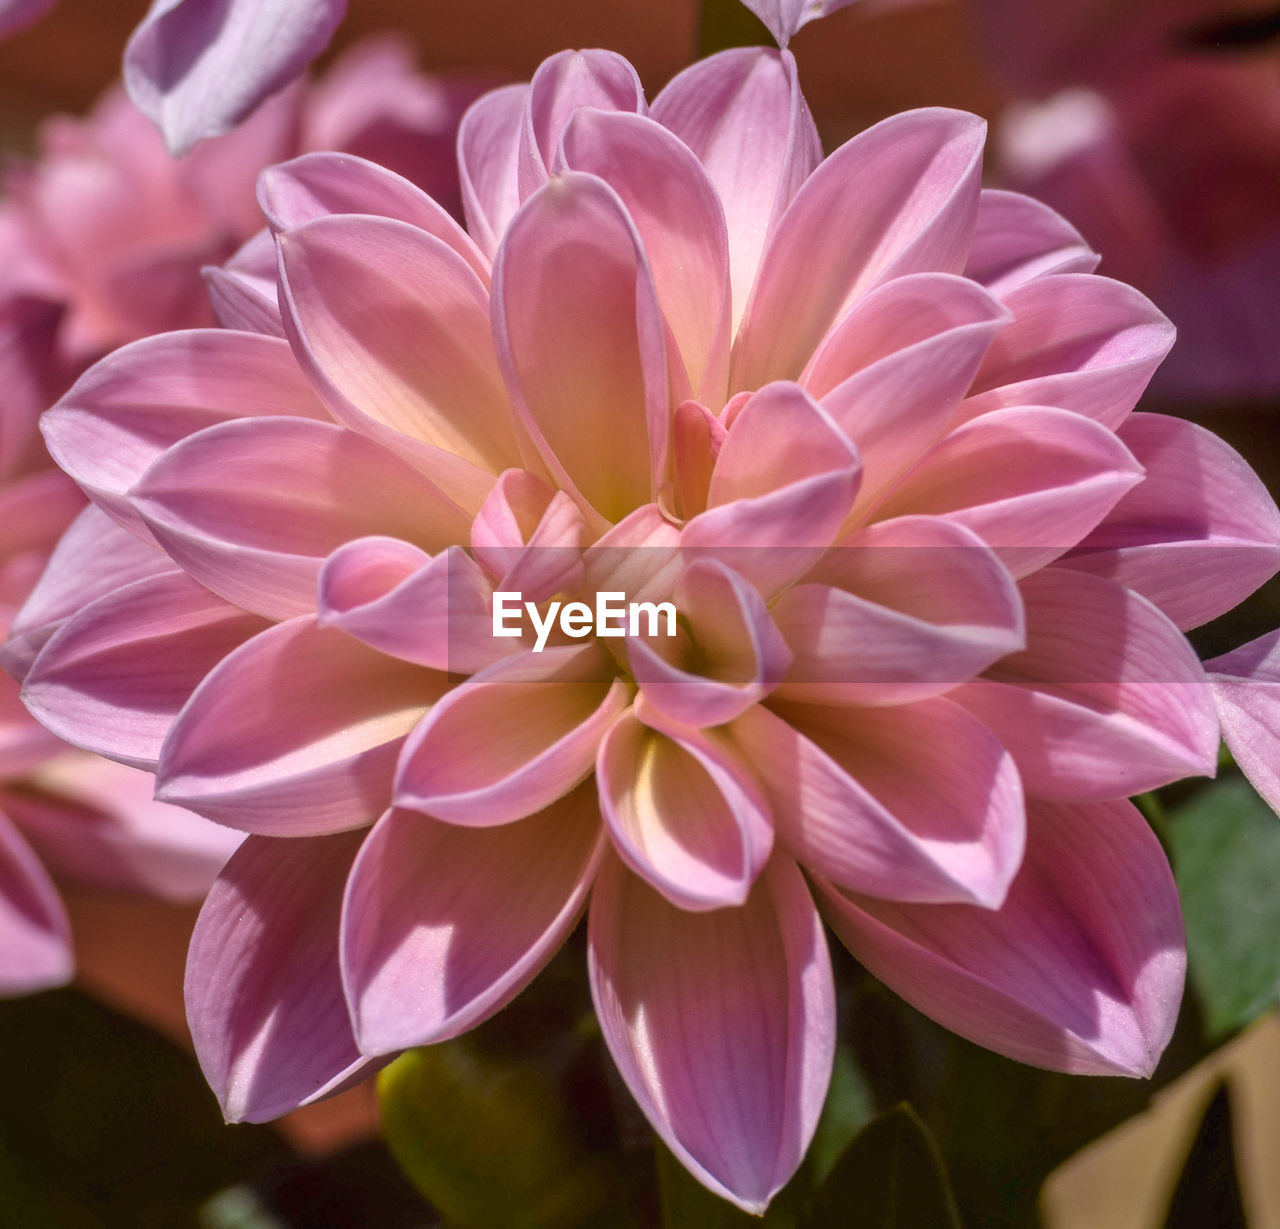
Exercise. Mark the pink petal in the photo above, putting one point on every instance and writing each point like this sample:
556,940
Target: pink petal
435,612
264,990
1031,482
581,341
784,481
1107,700
34,511
722,1023
681,224
125,411
915,802
243,290
443,925
93,558
1246,687
1017,239
116,674
601,80
393,327
785,17
900,611
319,184
488,146
24,742
251,508
1078,341
35,937
512,739
295,733
198,70
743,114
14,14
898,198
728,655
96,823
1080,970
684,811
1197,535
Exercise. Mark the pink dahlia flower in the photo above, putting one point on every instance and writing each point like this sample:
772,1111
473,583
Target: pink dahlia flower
864,425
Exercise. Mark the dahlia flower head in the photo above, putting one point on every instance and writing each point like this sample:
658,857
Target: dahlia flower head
864,426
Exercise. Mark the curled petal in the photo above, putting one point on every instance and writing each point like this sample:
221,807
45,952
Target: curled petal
722,1023
115,675
1080,970
251,508
264,990
512,739
443,925
1031,482
728,655
198,69
582,344
1107,700
898,198
435,612
684,811
1078,341
295,733
915,802
1017,239
744,116
127,409
488,145
1197,535
900,611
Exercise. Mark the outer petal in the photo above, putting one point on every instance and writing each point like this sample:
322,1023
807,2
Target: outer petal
722,1023
295,733
93,558
900,611
513,739
1080,970
199,69
1031,482
251,508
898,198
35,937
1017,239
916,802
1107,700
97,823
264,990
1197,535
1078,341
319,184
127,409
488,145
393,326
582,342
743,114
1246,687
684,811
114,677
785,17
681,224
444,925
602,80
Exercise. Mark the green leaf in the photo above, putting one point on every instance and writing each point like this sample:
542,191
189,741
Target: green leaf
489,1140
729,23
890,1177
1225,845
1208,1192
